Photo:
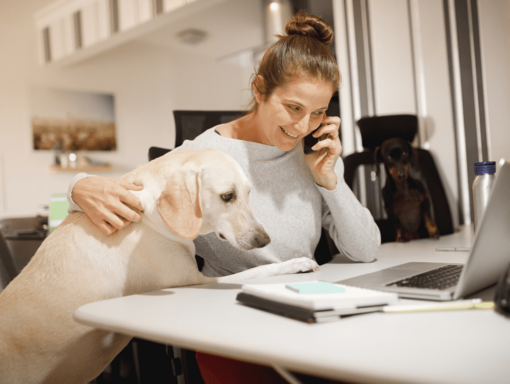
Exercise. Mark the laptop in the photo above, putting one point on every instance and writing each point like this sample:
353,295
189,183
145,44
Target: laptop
488,258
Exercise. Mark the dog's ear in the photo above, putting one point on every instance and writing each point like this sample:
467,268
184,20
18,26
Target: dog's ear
179,203
413,157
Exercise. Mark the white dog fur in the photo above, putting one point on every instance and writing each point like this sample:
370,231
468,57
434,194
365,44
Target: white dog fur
183,196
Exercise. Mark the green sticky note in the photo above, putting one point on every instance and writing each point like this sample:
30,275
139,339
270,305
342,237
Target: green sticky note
315,287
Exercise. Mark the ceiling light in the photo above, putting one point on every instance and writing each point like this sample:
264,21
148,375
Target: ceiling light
192,36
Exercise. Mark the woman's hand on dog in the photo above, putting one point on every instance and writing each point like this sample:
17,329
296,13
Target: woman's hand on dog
107,202
326,153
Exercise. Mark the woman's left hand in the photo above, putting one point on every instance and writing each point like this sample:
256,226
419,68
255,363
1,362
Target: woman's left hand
325,153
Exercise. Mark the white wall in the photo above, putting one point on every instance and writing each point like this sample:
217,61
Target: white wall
437,128
148,83
391,57
495,40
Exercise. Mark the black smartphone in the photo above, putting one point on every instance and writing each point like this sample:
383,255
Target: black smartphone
310,141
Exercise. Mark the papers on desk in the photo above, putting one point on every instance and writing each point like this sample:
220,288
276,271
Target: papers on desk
315,307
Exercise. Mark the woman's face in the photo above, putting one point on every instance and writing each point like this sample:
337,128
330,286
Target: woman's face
292,111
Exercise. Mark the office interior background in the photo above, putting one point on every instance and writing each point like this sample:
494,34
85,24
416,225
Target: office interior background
445,60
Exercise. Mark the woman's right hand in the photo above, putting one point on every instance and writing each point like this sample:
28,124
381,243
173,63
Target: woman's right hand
107,202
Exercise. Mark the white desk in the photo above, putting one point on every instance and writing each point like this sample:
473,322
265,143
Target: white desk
444,347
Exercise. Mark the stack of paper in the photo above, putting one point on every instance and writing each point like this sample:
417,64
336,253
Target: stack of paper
314,301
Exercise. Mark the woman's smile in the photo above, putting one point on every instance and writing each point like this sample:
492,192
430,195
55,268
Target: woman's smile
288,133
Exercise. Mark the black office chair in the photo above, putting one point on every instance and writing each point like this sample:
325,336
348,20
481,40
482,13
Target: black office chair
190,124
374,131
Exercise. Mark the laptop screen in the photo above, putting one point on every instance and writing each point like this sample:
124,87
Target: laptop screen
58,210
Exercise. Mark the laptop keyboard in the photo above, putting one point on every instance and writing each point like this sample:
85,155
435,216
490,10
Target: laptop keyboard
440,278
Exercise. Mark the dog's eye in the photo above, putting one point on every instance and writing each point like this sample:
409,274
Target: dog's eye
227,196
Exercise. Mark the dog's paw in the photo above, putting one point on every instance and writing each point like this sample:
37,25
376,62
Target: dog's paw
301,264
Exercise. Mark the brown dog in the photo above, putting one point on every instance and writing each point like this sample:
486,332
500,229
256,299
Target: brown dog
405,199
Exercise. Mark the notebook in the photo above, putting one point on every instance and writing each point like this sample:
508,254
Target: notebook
488,257
303,301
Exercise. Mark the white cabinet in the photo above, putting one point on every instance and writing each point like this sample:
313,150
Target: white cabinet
70,31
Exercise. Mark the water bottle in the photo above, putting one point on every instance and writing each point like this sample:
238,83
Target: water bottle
482,187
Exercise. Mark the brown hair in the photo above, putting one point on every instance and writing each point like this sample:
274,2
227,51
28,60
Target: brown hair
302,52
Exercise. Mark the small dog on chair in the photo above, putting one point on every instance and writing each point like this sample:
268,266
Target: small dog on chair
405,198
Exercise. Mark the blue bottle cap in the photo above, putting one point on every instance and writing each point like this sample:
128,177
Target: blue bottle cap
485,168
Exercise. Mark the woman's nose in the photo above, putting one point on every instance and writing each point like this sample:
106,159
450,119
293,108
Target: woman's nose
303,125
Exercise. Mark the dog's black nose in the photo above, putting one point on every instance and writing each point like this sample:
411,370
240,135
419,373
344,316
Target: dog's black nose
261,240
401,175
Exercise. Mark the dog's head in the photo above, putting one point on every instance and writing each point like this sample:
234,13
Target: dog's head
210,193
396,154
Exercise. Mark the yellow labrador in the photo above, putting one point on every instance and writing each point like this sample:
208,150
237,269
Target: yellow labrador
185,194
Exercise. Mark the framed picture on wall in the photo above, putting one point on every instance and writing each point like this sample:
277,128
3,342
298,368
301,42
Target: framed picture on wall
72,121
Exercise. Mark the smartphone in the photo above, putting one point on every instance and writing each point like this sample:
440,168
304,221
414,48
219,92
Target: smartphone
310,141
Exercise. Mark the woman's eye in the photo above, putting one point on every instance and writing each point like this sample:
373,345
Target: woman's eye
295,109
227,196
317,114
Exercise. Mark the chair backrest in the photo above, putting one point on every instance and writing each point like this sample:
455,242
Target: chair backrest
190,124
8,269
155,152
367,179
377,129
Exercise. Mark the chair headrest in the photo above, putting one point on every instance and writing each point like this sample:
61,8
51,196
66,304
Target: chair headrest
377,129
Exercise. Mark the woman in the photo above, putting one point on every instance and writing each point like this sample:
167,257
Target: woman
293,194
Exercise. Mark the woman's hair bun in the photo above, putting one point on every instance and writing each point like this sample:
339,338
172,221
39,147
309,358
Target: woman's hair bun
309,25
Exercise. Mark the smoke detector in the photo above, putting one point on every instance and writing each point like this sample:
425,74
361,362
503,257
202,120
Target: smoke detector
192,36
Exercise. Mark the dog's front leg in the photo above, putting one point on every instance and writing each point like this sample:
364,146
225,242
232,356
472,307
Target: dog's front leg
301,264
430,224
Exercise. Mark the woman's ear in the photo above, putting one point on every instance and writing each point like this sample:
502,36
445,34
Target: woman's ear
258,83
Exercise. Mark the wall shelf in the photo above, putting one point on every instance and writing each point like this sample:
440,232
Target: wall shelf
88,168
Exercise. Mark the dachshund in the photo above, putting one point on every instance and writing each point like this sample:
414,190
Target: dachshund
405,198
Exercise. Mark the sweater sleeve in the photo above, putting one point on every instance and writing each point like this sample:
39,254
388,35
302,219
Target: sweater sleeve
350,225
73,207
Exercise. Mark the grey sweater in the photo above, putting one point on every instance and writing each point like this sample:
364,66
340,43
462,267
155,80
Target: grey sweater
291,207
289,204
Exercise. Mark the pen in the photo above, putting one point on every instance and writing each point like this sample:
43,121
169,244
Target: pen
448,306
453,249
